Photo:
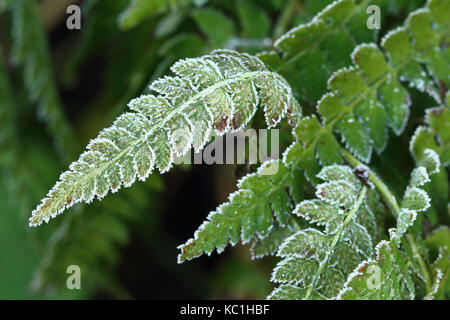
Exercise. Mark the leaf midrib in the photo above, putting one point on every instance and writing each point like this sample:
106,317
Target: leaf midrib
241,77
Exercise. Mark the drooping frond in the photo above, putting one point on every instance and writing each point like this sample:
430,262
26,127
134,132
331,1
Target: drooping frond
221,90
388,276
138,10
259,210
316,261
31,53
368,97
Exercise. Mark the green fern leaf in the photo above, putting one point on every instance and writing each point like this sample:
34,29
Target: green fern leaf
388,276
433,138
308,54
291,292
270,244
92,239
315,262
365,99
206,92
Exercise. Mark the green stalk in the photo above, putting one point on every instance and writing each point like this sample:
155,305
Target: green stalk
285,19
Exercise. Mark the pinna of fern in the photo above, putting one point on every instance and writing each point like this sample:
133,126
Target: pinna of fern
315,264
308,54
367,98
434,135
389,274
316,260
220,90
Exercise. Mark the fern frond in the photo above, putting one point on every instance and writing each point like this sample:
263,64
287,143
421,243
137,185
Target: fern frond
308,54
366,98
315,262
388,275
435,136
30,51
220,90
260,205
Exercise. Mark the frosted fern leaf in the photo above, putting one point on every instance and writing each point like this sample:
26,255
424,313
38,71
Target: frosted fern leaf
367,98
388,276
221,90
316,262
291,292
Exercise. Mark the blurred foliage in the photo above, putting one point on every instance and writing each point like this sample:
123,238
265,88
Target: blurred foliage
58,88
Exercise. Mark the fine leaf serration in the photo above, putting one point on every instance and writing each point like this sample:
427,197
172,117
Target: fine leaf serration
316,262
221,90
365,99
387,276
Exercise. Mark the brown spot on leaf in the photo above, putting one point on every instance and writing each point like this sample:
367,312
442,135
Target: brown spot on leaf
234,123
361,270
222,124
274,119
442,89
45,205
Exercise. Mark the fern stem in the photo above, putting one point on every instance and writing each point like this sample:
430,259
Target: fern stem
393,204
423,267
335,240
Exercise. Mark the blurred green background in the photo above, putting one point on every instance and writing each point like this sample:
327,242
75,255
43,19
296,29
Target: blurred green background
59,87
